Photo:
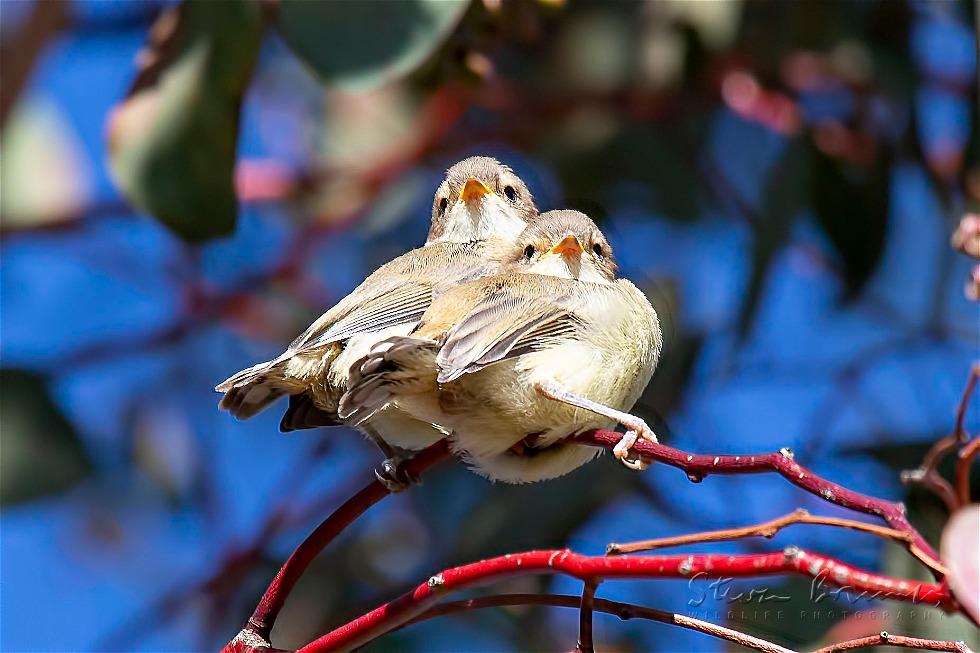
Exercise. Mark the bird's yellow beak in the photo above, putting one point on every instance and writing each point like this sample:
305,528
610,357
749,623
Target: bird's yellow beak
474,190
568,246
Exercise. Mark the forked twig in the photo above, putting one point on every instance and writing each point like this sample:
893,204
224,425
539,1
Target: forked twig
927,473
696,466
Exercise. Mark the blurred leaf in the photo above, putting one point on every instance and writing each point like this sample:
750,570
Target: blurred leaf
361,44
716,23
960,554
921,619
851,204
172,141
41,452
39,136
887,38
636,152
366,130
607,63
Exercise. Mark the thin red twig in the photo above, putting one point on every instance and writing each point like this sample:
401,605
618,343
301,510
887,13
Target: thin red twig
971,384
927,473
698,466
263,618
625,611
963,465
563,561
885,638
586,604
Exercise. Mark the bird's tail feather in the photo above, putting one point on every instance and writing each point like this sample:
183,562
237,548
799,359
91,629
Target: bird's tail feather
399,365
252,390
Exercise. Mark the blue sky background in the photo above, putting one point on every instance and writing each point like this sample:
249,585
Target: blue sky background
111,311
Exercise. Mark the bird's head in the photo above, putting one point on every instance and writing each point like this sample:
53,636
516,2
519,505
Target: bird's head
480,198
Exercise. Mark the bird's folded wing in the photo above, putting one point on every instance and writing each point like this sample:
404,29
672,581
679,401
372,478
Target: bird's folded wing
504,325
396,293
366,312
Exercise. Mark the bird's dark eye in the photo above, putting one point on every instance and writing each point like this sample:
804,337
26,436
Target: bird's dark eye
510,193
529,252
597,248
443,203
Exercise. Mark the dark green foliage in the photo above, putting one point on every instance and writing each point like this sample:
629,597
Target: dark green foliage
173,141
355,44
41,451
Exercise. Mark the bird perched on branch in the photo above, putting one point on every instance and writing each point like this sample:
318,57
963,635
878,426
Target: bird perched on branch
478,211
513,364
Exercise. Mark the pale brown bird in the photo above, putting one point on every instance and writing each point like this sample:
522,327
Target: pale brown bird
513,364
480,206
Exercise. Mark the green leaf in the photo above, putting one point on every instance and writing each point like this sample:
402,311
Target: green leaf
360,44
172,141
41,452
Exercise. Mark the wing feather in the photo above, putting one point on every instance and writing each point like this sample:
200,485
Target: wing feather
506,324
396,293
399,306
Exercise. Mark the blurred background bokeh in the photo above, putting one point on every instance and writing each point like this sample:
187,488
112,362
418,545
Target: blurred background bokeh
185,187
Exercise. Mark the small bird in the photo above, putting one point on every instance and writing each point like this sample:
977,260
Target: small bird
513,364
478,211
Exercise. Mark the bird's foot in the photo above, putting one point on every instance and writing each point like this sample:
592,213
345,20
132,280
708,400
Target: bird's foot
636,429
393,477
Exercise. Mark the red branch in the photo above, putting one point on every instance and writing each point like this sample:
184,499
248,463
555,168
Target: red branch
563,561
698,466
264,617
695,466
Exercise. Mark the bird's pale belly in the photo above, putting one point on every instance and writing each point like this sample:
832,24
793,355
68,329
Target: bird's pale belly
502,407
